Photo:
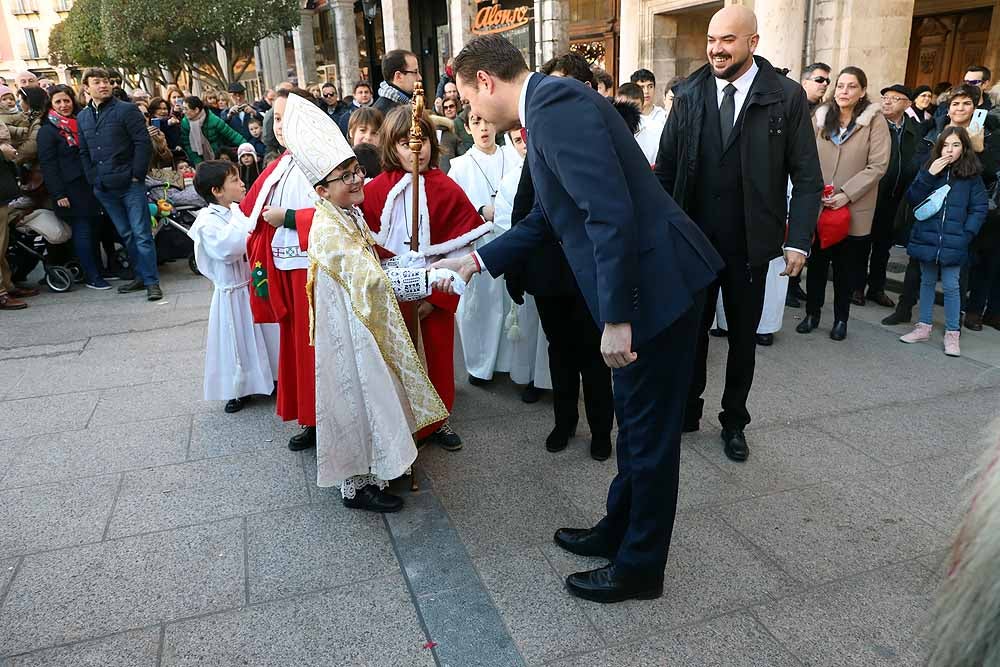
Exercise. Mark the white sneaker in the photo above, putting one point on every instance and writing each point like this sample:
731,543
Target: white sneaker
920,333
951,346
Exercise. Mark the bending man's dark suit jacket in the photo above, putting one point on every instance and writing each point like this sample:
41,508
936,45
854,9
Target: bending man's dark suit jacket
635,254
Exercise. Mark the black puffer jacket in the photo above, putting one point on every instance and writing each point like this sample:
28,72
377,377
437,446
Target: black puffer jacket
776,142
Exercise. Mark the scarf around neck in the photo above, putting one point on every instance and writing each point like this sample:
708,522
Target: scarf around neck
199,144
385,89
67,127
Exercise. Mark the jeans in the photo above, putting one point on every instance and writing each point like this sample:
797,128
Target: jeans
85,245
952,298
129,211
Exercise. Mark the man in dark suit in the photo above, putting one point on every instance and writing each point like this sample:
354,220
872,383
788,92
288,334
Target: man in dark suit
641,265
737,132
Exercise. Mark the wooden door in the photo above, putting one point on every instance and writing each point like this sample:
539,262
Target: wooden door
944,45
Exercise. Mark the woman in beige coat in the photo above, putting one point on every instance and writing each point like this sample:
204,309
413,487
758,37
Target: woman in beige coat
853,141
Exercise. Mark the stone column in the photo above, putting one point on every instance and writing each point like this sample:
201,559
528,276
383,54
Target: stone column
461,13
629,38
873,35
396,25
305,49
782,29
64,77
553,38
223,57
276,60
348,69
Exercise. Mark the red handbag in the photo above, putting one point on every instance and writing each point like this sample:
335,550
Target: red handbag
834,224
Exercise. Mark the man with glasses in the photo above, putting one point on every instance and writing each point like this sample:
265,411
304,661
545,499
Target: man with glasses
815,80
979,77
906,134
401,72
451,145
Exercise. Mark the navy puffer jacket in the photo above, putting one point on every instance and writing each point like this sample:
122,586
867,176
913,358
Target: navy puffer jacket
945,237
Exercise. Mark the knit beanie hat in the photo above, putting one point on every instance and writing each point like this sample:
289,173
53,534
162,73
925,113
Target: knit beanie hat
245,149
6,90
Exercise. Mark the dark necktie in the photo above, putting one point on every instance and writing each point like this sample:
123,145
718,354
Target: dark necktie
727,112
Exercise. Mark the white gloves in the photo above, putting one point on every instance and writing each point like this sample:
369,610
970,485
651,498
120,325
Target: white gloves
457,284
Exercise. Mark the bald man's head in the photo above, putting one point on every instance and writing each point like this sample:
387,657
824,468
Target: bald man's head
732,39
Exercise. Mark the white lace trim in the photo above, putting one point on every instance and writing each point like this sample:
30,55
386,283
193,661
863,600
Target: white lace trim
352,485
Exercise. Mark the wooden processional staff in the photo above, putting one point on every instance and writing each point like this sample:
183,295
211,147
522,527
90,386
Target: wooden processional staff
416,144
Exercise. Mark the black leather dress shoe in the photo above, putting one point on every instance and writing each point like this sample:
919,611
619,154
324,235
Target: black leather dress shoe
559,438
374,499
600,447
134,286
808,323
735,445
304,439
478,382
531,393
606,585
765,339
583,542
839,330
898,317
235,404
718,333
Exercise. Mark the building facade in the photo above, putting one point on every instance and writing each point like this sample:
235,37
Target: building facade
24,37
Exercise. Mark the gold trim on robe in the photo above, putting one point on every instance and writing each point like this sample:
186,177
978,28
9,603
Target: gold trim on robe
344,252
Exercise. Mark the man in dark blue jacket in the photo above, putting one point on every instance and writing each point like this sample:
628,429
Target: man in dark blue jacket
115,149
642,267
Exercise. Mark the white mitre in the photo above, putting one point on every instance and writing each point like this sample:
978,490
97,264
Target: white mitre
315,141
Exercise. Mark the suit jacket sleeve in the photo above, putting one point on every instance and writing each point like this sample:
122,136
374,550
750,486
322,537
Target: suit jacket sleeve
802,160
509,250
592,175
88,164
666,157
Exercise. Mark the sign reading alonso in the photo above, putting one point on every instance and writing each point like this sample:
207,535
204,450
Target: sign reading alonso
496,19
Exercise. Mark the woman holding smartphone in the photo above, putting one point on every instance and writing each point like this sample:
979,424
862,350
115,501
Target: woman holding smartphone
167,123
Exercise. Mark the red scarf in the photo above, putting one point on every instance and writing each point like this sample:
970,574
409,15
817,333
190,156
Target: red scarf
67,128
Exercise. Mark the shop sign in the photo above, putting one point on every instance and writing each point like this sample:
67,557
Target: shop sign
497,19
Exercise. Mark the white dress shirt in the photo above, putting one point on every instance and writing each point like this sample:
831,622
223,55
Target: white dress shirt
742,84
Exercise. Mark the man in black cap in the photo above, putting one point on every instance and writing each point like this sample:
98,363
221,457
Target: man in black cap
238,116
906,133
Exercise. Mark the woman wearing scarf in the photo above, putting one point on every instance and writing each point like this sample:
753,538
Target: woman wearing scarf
62,168
204,134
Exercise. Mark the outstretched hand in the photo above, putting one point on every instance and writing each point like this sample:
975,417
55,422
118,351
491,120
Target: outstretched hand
465,267
274,216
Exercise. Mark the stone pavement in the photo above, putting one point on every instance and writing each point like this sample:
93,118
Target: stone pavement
142,526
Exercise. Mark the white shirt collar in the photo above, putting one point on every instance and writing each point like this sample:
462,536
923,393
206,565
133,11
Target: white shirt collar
523,100
742,84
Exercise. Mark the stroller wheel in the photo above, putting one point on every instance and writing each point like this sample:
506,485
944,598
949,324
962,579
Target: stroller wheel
59,278
75,270
193,265
121,254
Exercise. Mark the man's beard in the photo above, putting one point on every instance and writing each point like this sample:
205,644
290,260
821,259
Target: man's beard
732,69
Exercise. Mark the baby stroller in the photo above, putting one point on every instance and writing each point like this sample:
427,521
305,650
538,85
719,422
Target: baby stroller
40,236
173,211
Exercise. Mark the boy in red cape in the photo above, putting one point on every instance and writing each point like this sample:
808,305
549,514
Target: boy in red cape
278,265
448,226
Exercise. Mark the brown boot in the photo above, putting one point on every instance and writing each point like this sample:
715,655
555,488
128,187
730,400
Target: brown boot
24,292
973,322
882,299
858,298
990,321
7,302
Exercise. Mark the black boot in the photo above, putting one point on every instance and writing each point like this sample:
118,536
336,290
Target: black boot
898,316
839,330
304,439
374,499
808,323
531,393
600,447
559,438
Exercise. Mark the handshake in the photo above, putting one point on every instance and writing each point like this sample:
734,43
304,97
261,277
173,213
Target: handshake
459,272
441,275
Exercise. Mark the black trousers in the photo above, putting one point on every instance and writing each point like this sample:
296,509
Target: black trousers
742,290
649,404
874,256
575,353
845,258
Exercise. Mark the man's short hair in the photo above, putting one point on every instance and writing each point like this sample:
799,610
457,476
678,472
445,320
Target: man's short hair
603,78
212,174
642,75
330,84
494,54
94,73
965,90
194,102
631,91
808,71
572,65
985,71
394,61
362,84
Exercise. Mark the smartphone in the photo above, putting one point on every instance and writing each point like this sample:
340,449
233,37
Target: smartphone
158,123
978,120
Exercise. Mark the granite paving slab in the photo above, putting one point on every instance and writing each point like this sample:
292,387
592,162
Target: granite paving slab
137,648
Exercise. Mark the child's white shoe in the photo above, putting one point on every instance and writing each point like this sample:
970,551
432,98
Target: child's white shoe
920,333
951,346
